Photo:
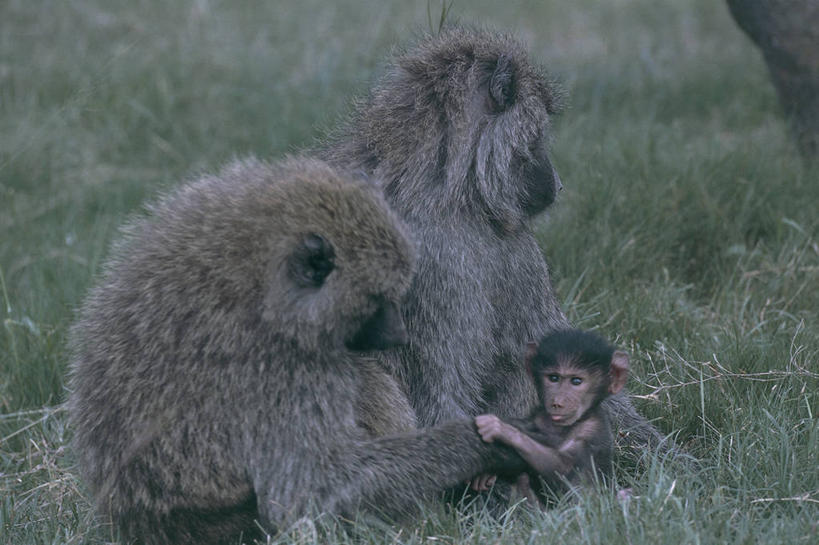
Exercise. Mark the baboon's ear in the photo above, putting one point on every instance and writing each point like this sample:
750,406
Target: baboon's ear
312,261
531,352
619,371
502,84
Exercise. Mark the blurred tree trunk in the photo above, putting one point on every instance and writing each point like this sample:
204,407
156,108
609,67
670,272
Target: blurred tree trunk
787,33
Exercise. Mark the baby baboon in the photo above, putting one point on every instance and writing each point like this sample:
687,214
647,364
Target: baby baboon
458,131
567,436
215,375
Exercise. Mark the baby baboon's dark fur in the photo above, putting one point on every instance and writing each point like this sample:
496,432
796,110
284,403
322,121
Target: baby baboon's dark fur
211,383
458,129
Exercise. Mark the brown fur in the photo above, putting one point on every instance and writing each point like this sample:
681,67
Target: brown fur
211,383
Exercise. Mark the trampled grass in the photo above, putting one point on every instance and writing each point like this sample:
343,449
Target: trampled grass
688,231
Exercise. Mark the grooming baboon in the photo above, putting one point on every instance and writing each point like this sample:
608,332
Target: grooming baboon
458,129
567,437
217,374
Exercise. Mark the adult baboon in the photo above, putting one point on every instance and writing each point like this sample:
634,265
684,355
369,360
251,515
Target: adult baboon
458,129
216,374
787,34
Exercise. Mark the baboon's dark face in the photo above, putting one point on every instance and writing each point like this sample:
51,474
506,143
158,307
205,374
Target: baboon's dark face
462,122
376,326
538,178
383,329
337,284
512,167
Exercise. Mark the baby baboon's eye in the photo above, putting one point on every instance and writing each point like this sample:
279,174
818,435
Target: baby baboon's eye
312,261
553,378
577,381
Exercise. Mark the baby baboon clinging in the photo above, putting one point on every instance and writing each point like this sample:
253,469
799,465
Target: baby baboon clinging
567,436
458,131
215,376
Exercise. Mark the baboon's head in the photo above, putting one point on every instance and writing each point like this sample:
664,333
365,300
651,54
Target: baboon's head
574,371
339,265
468,113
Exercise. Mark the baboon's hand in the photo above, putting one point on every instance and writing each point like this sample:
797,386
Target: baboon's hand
492,428
483,482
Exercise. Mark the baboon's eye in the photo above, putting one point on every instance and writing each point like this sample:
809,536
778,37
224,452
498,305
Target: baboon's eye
577,381
553,378
312,261
502,84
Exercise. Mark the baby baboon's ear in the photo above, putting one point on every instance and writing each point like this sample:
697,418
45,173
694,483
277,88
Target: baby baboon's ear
619,371
312,260
502,84
531,352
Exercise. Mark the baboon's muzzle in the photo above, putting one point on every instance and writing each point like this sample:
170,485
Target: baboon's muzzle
384,329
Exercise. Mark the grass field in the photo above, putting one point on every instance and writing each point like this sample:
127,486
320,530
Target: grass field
688,230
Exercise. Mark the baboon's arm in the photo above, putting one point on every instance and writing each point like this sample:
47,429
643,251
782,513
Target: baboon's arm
541,457
388,475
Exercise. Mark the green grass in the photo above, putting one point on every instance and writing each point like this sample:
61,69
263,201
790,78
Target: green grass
687,231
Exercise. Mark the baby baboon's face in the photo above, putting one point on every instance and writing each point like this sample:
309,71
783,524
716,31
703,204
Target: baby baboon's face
568,391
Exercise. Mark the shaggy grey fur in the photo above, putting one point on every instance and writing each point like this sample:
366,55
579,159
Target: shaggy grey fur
210,381
458,129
